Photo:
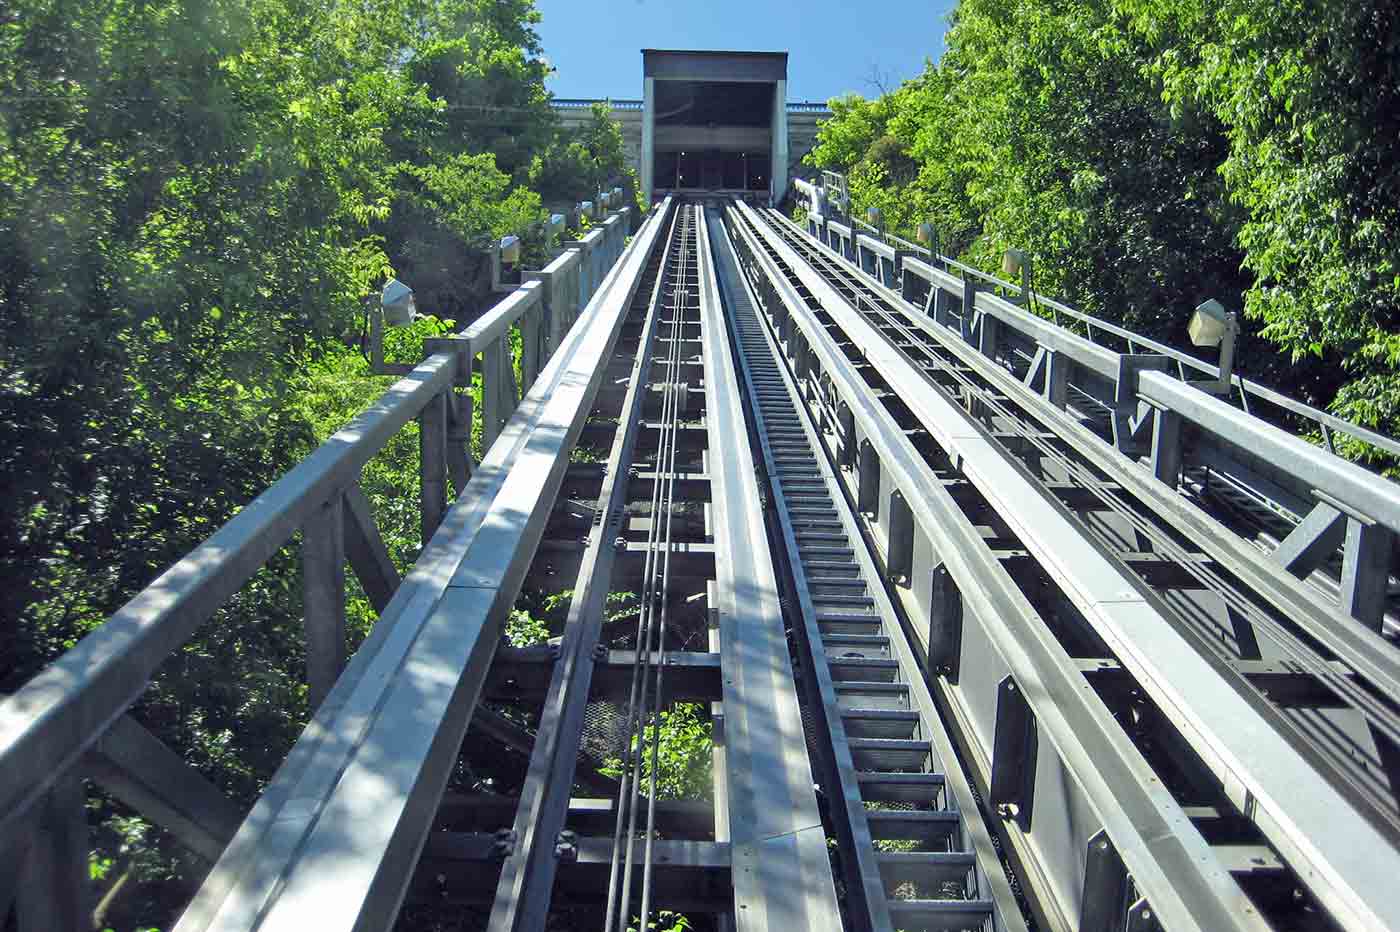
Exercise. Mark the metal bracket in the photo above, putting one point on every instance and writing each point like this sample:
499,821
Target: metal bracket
945,624
504,845
566,847
1014,748
462,377
1105,887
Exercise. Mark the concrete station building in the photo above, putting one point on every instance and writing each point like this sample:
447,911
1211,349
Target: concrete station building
712,122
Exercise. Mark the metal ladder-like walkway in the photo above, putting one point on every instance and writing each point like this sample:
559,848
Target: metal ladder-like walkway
913,840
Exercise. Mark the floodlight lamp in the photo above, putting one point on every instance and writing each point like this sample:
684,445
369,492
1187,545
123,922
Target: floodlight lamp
586,208
398,305
510,249
1209,323
1013,261
556,224
926,233
872,216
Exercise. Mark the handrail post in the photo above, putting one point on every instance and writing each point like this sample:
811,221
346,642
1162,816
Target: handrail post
323,596
54,891
460,462
432,447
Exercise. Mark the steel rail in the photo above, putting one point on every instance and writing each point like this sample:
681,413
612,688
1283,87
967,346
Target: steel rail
1370,656
527,877
1375,711
333,840
1372,706
870,902
1169,861
673,388
620,871
781,869
1247,388
1337,852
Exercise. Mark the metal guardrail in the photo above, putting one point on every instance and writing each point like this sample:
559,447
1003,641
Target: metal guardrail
1320,494
70,721
993,337
583,103
333,841
1252,397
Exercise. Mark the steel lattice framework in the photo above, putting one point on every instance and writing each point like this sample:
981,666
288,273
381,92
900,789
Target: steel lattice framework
990,616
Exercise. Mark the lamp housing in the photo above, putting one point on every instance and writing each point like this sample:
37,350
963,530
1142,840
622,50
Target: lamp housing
398,304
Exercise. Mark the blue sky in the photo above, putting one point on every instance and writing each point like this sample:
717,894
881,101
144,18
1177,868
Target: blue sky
834,46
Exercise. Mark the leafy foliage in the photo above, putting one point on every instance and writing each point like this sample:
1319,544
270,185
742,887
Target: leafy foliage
683,769
1151,153
196,201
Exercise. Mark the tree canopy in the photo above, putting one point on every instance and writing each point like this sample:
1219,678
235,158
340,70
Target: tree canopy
1153,153
197,197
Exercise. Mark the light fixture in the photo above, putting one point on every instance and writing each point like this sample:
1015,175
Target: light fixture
926,233
556,224
617,195
397,302
510,249
586,208
1013,261
1208,324
1212,325
873,216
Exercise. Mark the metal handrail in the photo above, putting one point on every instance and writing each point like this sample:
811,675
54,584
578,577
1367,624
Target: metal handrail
1249,390
628,103
50,724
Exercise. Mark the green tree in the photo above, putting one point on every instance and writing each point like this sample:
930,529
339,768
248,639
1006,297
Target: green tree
1152,153
195,201
1309,96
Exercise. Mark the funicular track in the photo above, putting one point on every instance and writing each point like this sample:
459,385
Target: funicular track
1293,668
672,526
659,548
957,661
916,851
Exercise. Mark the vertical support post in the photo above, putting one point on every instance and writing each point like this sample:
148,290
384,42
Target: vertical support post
846,424
987,336
648,138
491,378
54,891
323,596
939,305
945,623
1056,378
1166,446
1366,571
459,409
1014,749
530,347
899,560
432,448
868,482
969,309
